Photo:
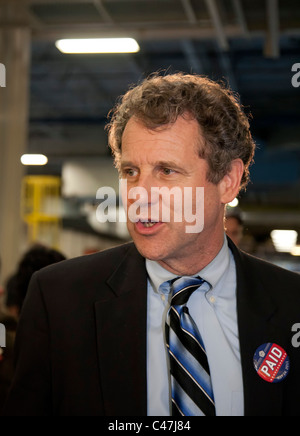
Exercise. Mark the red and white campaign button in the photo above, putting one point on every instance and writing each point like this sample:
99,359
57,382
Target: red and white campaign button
271,363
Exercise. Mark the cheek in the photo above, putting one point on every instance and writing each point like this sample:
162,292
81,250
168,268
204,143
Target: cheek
212,201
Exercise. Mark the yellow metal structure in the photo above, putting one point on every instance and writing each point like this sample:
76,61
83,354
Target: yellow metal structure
41,209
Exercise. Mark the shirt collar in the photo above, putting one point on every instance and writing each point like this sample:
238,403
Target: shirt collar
212,273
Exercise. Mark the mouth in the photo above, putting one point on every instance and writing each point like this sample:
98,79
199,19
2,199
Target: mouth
147,227
148,224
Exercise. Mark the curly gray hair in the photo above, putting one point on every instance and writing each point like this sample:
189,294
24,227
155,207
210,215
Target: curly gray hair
160,100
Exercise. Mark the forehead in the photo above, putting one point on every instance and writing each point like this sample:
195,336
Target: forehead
182,136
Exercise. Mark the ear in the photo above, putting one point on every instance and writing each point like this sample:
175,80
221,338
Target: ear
230,185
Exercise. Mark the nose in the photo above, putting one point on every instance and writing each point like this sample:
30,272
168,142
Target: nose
140,198
140,190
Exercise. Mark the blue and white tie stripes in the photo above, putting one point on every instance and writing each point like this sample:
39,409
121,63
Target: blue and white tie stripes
192,393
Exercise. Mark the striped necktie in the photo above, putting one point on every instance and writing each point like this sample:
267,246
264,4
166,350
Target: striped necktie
192,393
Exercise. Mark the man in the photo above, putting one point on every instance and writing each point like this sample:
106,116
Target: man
97,335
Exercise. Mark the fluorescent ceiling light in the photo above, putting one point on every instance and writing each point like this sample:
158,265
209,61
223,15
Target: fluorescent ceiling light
98,45
296,251
284,240
34,159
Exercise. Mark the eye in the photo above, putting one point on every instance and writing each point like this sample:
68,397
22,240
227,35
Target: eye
129,172
167,171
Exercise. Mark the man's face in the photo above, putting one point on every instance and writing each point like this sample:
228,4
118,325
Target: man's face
167,157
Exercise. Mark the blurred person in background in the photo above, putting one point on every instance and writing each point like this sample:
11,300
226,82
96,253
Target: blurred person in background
33,260
234,225
36,258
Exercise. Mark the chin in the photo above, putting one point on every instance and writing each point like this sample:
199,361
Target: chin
150,254
150,251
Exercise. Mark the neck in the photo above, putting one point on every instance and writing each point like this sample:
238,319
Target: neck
191,265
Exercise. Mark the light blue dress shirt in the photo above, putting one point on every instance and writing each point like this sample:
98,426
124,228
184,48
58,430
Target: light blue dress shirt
214,310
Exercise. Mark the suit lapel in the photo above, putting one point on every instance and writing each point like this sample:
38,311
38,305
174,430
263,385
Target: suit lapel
257,325
121,338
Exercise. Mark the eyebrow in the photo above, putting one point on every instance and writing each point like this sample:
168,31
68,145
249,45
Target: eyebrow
127,164
161,164
172,165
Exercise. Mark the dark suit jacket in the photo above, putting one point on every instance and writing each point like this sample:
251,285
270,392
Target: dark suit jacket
81,342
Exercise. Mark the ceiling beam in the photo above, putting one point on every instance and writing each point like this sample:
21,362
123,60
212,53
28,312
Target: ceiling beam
227,68
103,11
218,25
240,16
189,11
133,30
272,48
192,58
47,2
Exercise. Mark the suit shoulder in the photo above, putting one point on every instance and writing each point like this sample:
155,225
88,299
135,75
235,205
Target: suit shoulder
101,262
262,270
280,280
270,267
